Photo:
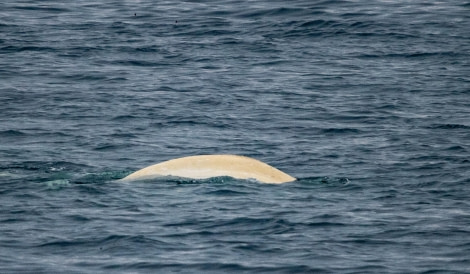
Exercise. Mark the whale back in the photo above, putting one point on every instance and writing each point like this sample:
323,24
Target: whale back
207,166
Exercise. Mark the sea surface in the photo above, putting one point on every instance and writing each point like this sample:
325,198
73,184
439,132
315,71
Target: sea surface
367,103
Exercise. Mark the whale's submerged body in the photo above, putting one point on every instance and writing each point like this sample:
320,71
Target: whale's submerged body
207,166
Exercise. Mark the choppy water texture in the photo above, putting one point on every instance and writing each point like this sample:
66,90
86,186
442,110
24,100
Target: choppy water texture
366,102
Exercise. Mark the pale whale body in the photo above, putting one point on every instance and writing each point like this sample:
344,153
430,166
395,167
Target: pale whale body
208,166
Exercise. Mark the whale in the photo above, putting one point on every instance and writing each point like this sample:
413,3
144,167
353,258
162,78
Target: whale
208,166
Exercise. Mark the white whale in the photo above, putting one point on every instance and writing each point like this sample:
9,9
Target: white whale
207,166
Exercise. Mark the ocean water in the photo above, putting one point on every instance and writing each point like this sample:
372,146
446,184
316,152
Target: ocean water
367,103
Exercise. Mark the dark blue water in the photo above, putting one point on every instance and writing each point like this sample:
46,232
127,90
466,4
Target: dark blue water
366,102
